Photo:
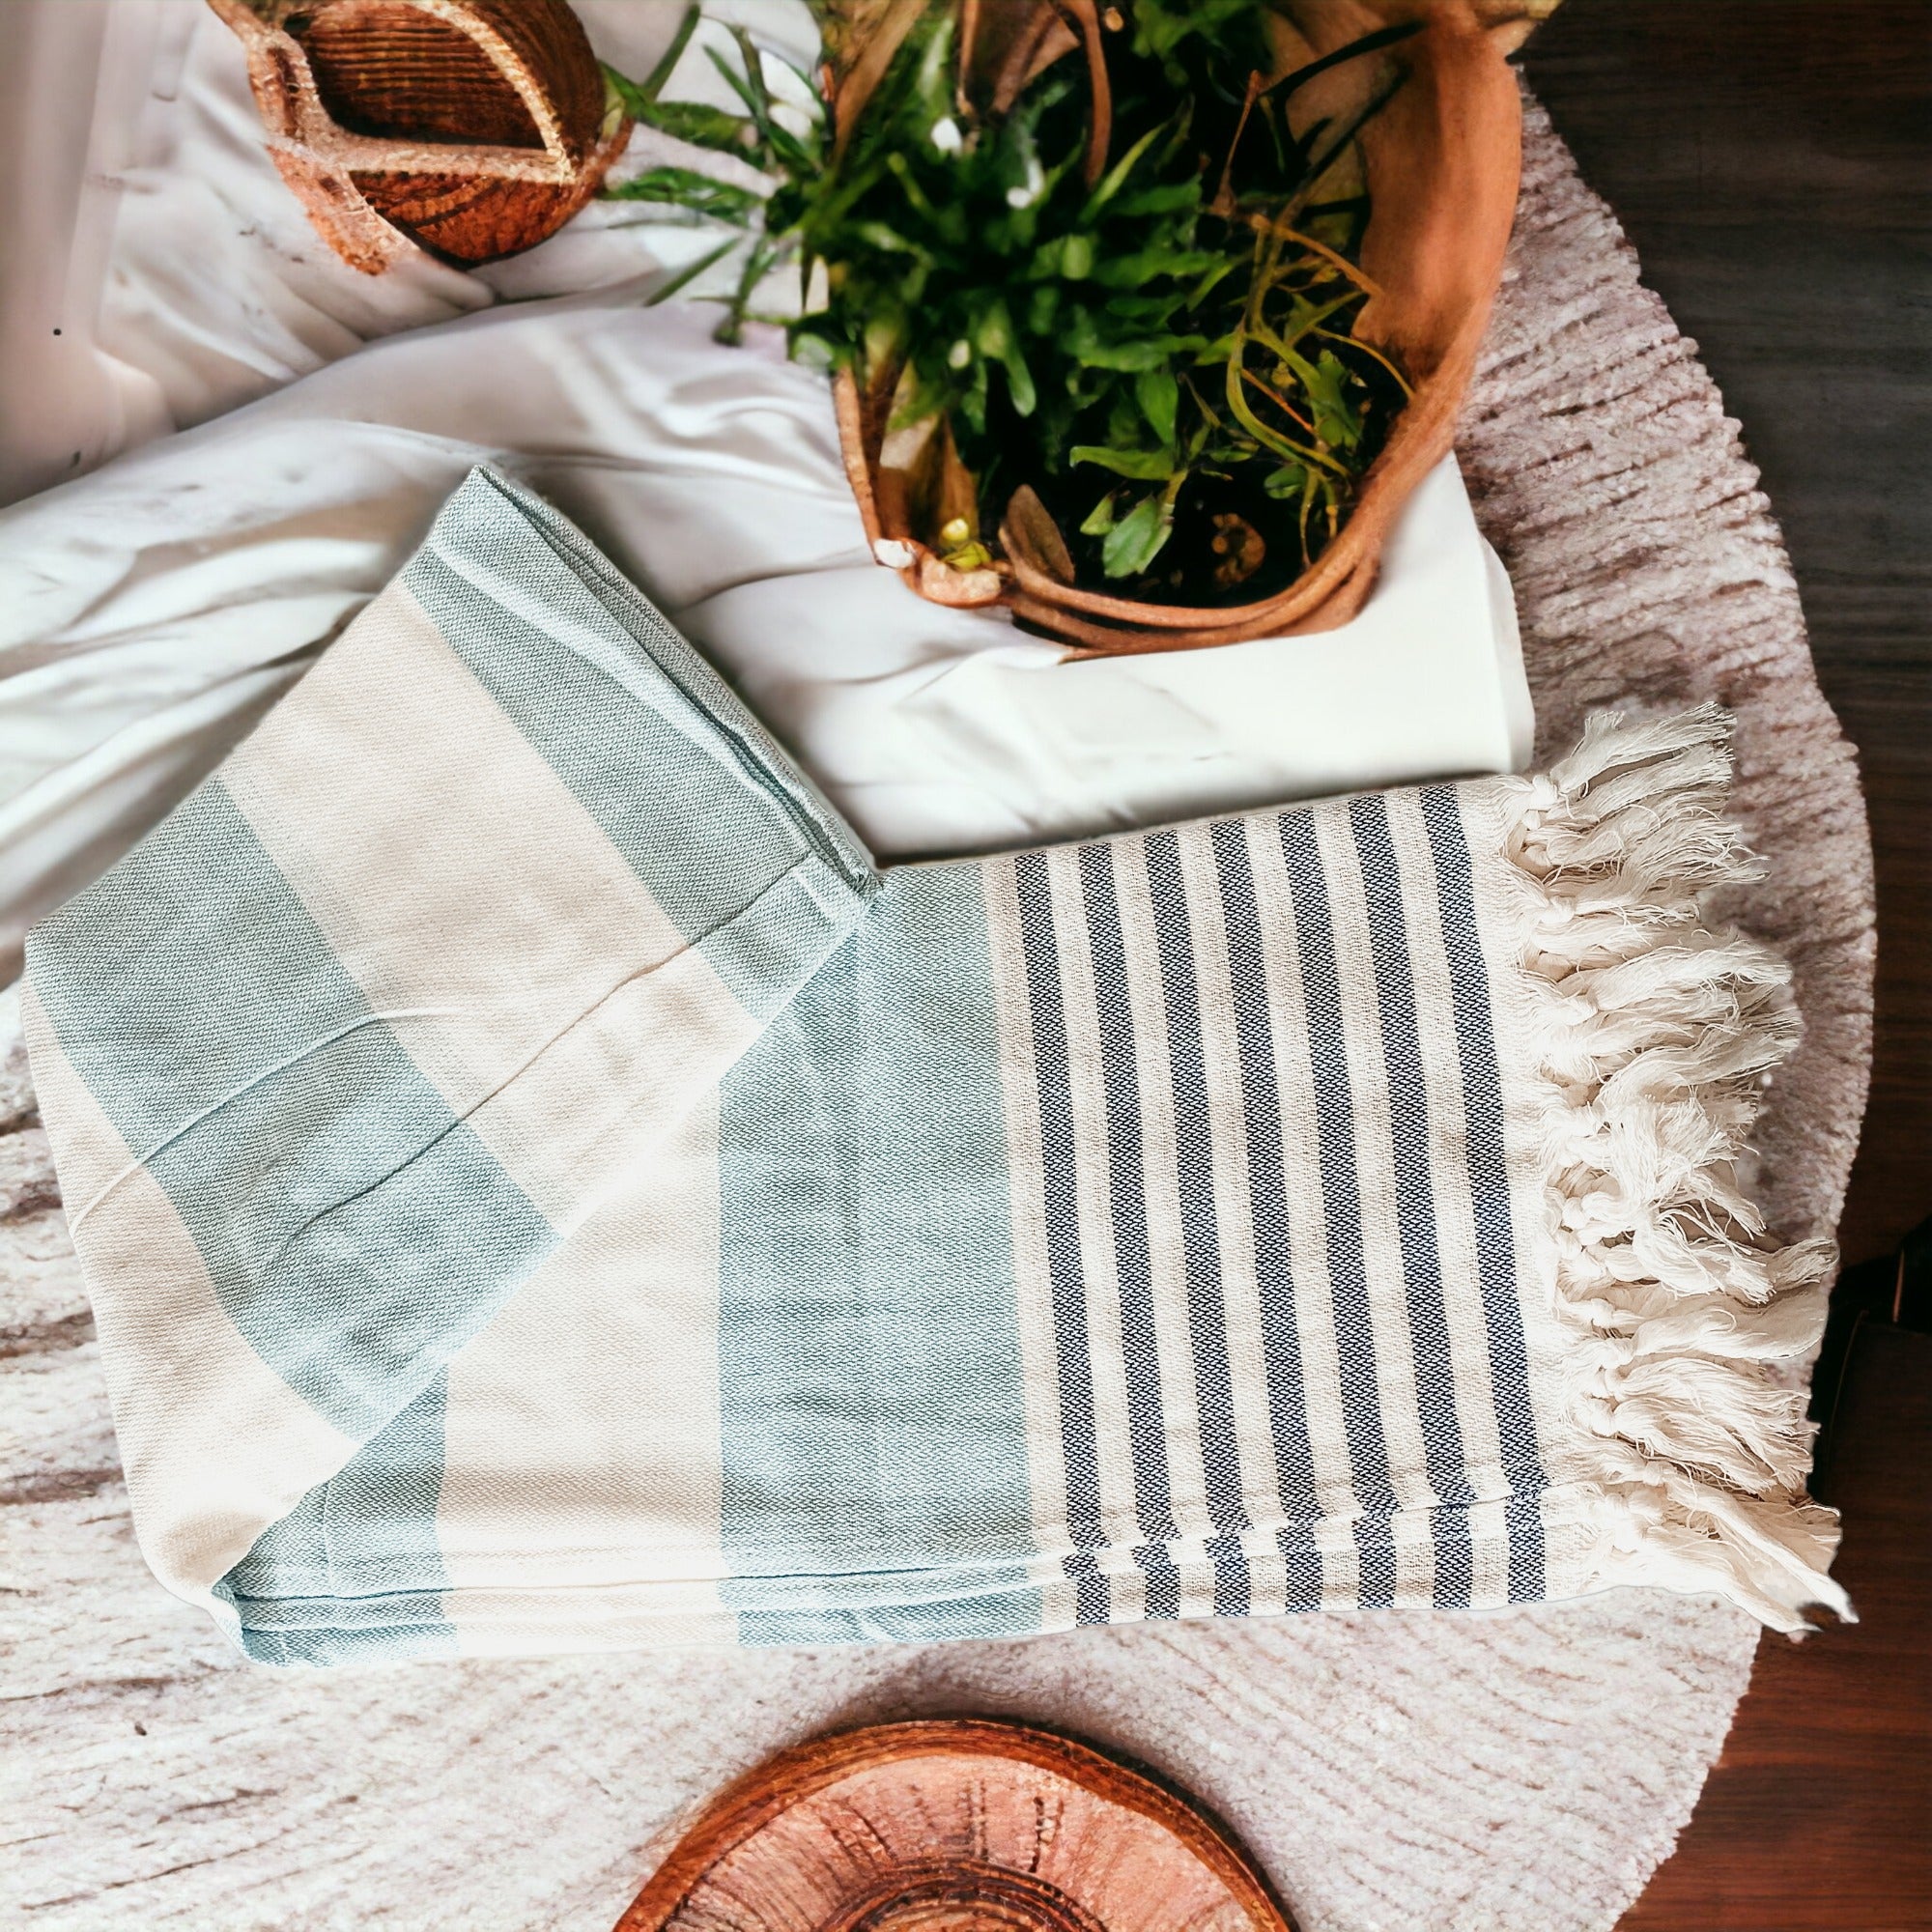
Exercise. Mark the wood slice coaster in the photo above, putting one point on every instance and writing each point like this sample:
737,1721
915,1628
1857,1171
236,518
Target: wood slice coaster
951,1827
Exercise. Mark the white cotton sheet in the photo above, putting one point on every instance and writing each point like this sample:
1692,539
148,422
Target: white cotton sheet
158,272
152,610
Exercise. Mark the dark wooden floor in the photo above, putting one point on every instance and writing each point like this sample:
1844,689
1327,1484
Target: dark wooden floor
1772,162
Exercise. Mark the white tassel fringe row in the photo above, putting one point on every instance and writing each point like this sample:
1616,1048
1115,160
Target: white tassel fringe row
1656,1035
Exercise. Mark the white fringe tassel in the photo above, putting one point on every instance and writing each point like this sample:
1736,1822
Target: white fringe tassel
1658,1034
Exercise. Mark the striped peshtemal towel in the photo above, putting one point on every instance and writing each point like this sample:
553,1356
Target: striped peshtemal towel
543,1187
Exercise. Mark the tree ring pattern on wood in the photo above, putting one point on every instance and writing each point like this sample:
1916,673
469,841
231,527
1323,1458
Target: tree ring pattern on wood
964,1826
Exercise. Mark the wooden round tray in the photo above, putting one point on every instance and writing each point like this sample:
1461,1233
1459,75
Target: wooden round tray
952,1826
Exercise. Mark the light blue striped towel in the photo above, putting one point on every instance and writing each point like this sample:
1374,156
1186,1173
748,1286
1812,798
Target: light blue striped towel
543,1187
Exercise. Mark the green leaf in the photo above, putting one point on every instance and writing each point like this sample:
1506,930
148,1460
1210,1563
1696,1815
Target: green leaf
1116,177
947,224
749,86
993,332
653,83
888,240
1145,465
1303,316
1208,283
1165,198
1133,272
702,126
631,97
811,349
1042,308
1290,480
1158,394
973,399
1100,517
1070,256
1019,381
686,188
1335,420
1337,424
993,337
1137,539
685,276
761,258
1151,352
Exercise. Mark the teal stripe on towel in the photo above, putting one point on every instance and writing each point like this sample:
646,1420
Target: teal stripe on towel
1000,1611
682,781
780,941
868,1338
357,1234
353,1572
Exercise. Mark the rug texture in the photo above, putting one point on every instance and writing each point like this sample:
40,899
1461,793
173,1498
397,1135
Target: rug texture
1467,1773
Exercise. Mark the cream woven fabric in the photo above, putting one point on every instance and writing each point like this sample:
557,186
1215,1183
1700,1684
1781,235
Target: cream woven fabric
543,1186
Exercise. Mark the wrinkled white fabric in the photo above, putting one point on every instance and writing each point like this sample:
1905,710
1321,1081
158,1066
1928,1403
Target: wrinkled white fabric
146,224
152,610
149,613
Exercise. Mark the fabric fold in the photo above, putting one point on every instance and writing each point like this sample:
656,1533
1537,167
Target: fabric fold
382,1013
544,1187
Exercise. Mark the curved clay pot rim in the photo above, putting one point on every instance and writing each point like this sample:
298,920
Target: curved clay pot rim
772,1787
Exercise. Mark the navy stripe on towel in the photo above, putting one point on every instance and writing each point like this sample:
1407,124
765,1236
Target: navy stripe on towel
1267,1200
1133,1265
1201,1241
1342,1211
1415,1193
1065,1267
1489,1187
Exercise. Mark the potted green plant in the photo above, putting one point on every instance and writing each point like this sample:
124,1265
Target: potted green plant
1142,319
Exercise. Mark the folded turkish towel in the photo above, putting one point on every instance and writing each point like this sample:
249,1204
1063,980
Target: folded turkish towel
542,1186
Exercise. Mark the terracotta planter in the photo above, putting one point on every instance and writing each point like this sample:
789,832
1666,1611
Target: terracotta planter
1442,159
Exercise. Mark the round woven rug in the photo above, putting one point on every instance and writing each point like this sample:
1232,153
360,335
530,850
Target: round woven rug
1519,1772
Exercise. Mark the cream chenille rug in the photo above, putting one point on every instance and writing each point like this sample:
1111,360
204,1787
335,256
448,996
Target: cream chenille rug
1519,1772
